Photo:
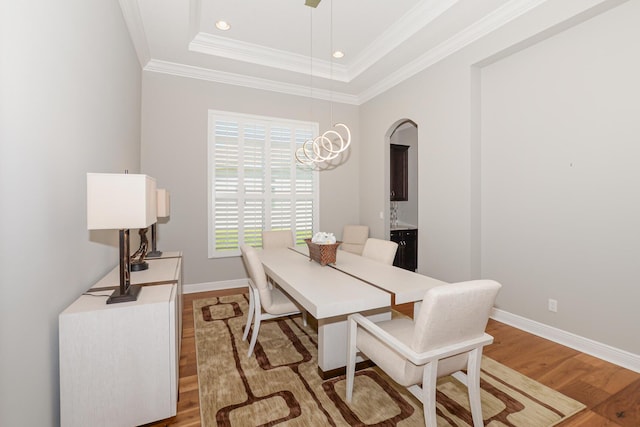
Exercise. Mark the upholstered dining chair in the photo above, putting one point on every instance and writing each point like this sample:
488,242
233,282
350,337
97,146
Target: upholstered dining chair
354,238
273,239
380,250
447,336
264,302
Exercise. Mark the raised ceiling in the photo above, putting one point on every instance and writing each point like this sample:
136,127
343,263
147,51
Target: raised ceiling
270,43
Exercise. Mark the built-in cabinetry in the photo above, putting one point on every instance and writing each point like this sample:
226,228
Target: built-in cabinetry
407,253
119,362
398,172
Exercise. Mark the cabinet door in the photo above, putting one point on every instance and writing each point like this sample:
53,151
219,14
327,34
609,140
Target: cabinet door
118,362
396,236
407,253
398,172
411,250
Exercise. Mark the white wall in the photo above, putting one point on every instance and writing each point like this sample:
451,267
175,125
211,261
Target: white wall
560,178
431,100
458,103
69,104
174,150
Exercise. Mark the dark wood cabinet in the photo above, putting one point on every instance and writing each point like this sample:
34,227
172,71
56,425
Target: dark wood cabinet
398,172
407,253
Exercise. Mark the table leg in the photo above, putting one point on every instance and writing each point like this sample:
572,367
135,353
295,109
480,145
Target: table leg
332,342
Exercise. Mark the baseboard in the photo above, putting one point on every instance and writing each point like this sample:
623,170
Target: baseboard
214,286
585,345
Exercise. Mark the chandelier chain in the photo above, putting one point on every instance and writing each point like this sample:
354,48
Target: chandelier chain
330,144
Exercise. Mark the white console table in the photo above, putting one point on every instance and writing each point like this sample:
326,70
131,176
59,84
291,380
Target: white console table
119,362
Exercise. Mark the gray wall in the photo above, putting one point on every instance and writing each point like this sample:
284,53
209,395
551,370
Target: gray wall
69,104
70,91
560,178
526,144
174,150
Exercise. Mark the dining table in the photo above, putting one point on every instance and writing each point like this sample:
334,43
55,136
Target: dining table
330,293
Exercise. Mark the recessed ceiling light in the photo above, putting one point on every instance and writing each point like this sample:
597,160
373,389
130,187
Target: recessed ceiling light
338,54
223,25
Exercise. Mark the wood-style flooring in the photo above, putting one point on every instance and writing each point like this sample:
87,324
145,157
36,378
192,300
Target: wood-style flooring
611,393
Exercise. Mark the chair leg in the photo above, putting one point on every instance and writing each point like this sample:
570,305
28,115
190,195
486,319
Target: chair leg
256,324
351,358
473,385
249,314
429,379
304,318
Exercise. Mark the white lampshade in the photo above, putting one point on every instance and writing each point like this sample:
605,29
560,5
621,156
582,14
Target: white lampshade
164,205
120,201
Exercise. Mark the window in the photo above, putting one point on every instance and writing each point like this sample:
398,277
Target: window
255,183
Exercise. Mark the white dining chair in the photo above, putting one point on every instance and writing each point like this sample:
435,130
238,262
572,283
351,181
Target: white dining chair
447,336
354,238
380,250
273,239
264,302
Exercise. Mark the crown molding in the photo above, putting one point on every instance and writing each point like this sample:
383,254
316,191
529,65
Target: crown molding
189,71
133,20
214,45
409,24
274,58
469,35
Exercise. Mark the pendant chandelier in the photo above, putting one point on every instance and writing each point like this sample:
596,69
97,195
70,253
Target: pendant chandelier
331,143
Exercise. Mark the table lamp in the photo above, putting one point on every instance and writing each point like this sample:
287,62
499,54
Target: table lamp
121,202
162,211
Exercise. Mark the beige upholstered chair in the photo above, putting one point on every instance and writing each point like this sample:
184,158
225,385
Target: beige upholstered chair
447,336
380,250
354,238
277,239
264,302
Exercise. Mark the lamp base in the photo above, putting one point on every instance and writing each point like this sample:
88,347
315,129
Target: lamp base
130,294
154,254
139,266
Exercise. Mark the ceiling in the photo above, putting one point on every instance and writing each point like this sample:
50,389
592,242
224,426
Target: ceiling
285,46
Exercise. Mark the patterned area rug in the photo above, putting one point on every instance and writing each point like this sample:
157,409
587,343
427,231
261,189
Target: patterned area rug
279,384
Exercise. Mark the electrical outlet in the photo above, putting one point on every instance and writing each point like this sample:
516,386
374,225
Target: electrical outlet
553,305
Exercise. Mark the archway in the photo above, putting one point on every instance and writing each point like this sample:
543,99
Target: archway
402,190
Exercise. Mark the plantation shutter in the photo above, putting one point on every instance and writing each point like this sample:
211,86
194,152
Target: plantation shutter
255,183
306,203
227,181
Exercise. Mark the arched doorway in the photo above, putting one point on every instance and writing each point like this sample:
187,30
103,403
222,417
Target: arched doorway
402,198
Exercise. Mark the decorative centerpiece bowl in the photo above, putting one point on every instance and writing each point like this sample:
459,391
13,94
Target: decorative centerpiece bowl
322,253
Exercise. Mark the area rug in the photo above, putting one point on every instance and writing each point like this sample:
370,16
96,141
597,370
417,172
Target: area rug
279,384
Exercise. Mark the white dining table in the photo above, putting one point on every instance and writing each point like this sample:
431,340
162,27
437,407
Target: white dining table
353,284
404,286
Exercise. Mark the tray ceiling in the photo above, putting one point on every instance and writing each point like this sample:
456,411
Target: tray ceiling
285,46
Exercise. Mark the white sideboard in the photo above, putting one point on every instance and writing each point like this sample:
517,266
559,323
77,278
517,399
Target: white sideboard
119,362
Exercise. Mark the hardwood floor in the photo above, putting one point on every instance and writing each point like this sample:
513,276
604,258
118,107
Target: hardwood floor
611,393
